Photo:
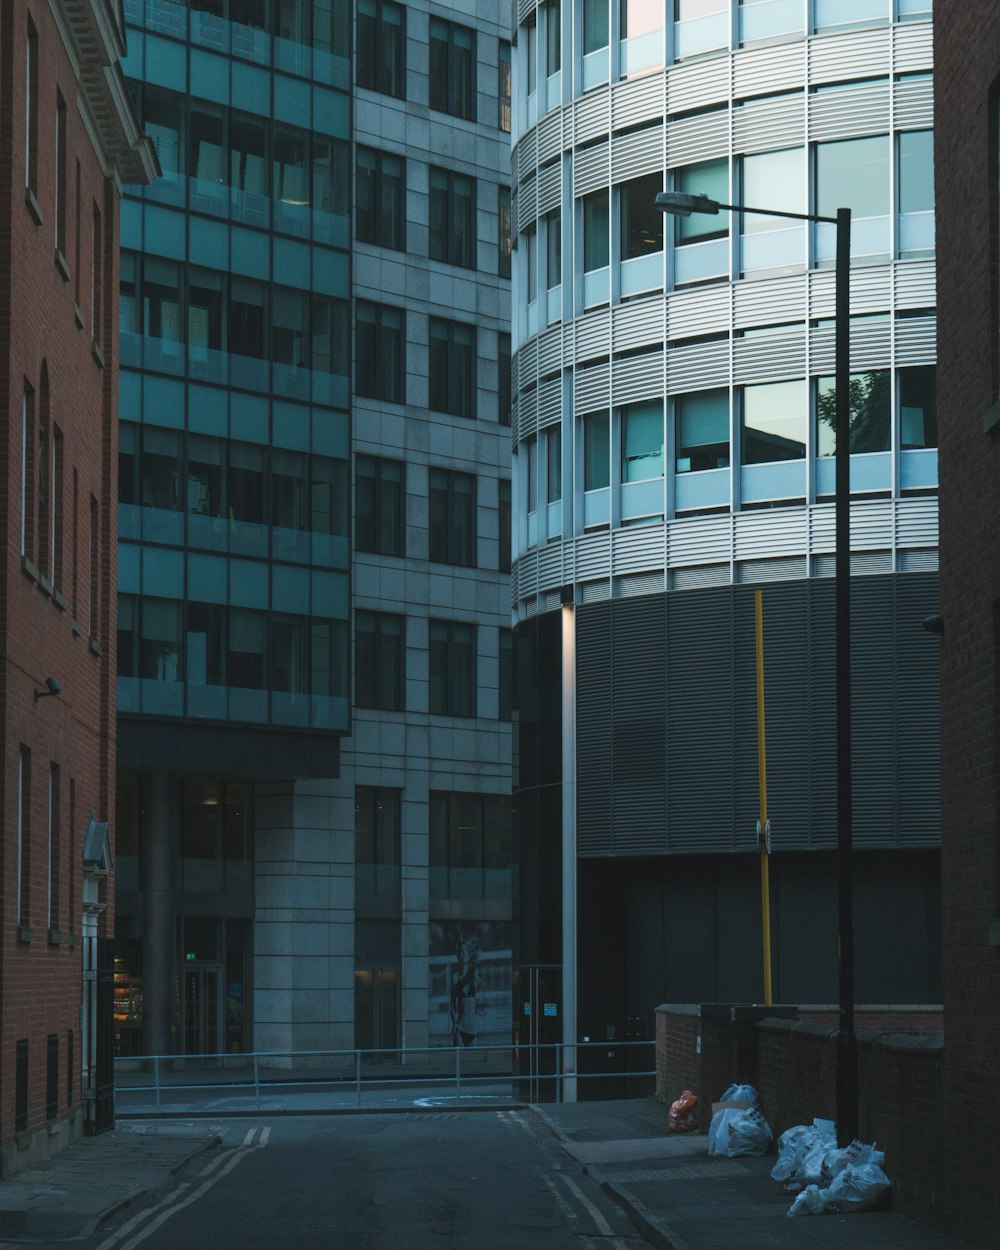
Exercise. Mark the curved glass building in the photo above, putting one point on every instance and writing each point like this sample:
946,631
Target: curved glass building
673,452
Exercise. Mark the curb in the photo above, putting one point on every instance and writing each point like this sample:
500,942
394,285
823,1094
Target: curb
280,1112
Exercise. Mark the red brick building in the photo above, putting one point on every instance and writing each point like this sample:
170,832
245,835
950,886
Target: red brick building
967,135
68,138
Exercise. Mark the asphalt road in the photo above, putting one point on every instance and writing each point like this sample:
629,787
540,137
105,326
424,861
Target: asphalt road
440,1180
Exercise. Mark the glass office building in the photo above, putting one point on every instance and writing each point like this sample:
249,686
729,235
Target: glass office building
314,758
673,396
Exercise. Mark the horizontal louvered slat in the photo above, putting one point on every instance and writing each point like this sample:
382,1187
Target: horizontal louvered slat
913,48
853,55
593,556
520,10
638,101
763,71
592,388
550,402
637,378
770,302
527,152
590,168
702,138
639,548
916,340
549,136
637,153
699,367
594,592
550,565
913,104
701,575
550,601
696,312
524,206
638,726
527,414
766,125
781,569
915,284
772,532
697,85
637,323
550,352
549,188
591,115
592,335
700,540
634,584
917,526
917,561
762,360
594,761
858,109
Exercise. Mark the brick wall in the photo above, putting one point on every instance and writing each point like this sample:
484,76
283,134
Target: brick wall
889,1019
967,73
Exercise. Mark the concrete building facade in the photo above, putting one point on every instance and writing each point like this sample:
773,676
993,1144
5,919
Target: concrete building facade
672,396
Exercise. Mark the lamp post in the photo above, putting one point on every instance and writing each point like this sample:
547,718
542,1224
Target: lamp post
683,205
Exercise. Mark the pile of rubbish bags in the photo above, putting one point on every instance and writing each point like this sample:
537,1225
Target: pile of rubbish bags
829,1177
738,1127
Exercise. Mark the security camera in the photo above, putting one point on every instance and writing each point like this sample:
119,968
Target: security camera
53,685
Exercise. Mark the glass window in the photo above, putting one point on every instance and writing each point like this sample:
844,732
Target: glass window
329,659
595,25
379,657
641,17
289,667
530,448
452,537
596,241
503,524
773,180
160,468
642,441
379,503
163,121
453,69
381,50
288,489
207,146
916,171
596,451
246,483
871,410
248,155
379,361
452,668
506,674
452,382
289,310
161,295
206,311
843,13
709,178
204,491
553,37
685,10
245,650
377,836
553,249
702,431
531,53
329,340
553,465
854,174
504,244
503,383
917,407
503,86
205,652
774,422
379,216
452,218
247,320
641,220
160,641
529,241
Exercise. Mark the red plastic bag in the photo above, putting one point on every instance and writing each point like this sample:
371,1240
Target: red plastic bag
682,1118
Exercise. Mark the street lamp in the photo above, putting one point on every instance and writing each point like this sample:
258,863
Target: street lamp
681,204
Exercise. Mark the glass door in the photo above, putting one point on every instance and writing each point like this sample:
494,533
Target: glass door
376,1012
202,1009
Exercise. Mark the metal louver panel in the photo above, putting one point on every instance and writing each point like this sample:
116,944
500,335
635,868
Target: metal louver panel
861,109
633,584
590,168
912,48
549,188
592,334
916,286
549,348
766,125
789,568
591,115
916,340
521,9
638,100
702,311
699,367
697,84
764,71
913,104
592,556
595,592
854,55
549,136
524,207
702,575
917,561
595,763
592,389
767,532
770,302
701,138
761,360
637,378
700,540
550,403
639,548
528,152
637,323
917,728
550,570
637,153
527,414
917,525
550,601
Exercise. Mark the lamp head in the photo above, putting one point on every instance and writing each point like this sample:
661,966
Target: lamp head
52,688
683,205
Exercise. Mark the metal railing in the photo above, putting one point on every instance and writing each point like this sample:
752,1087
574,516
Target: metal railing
386,1077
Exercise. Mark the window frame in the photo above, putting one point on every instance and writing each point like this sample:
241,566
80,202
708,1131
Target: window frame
452,536
450,645
449,93
384,688
381,56
450,239
446,392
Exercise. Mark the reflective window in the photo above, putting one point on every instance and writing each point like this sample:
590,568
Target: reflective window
452,515
530,451
596,451
553,37
834,13
506,674
917,407
529,242
380,497
854,174
504,236
685,10
709,178
553,465
379,658
641,220
774,422
503,525
916,171
452,218
596,240
452,668
642,441
595,25
503,382
774,180
871,413
452,381
379,346
640,17
377,834
453,69
381,47
379,214
503,87
553,249
702,431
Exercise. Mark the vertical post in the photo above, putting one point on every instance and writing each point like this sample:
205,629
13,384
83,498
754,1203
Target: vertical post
256,1077
762,834
458,1073
568,1048
847,1055
357,1076
156,1079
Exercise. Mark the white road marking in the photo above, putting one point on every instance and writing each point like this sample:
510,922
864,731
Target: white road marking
603,1227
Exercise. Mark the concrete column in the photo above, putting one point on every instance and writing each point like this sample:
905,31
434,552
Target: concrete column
162,798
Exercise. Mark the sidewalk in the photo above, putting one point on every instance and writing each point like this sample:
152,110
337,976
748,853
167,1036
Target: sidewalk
68,1195
680,1199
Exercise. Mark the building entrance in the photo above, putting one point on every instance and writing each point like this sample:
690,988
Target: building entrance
376,1011
202,1009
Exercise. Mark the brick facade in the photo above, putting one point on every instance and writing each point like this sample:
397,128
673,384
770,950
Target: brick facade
967,71
58,467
